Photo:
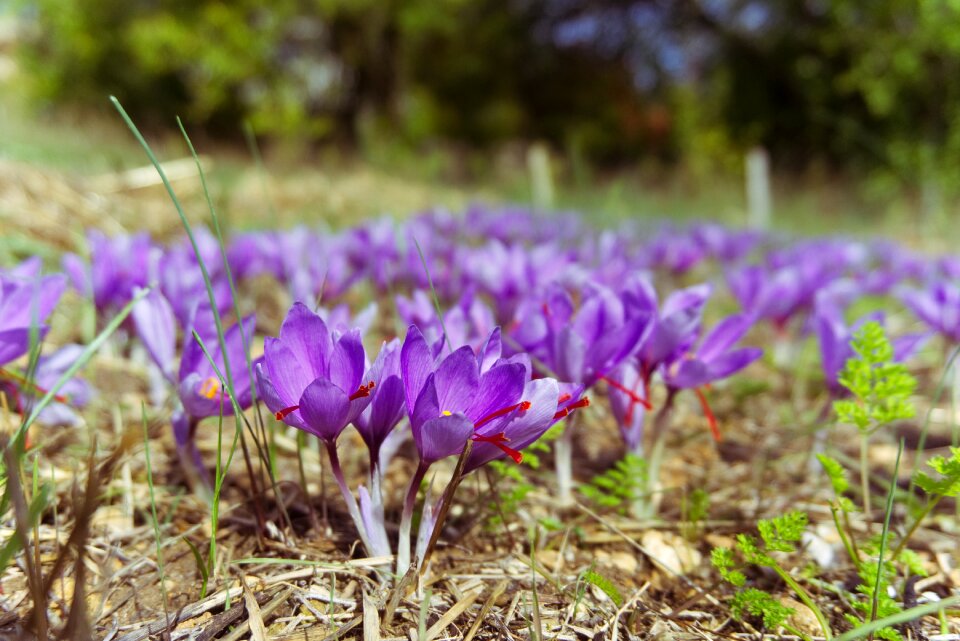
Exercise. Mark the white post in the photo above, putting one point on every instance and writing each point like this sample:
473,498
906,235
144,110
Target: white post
541,176
759,199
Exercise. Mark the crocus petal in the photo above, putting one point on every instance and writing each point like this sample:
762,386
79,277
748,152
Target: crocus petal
416,364
347,362
443,436
308,339
570,353
524,428
491,350
501,387
14,343
723,336
457,379
386,410
425,408
157,328
733,361
324,408
286,373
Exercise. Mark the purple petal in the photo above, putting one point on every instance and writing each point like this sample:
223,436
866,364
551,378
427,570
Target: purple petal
416,365
443,436
347,362
524,428
499,388
285,372
308,339
457,380
723,336
324,408
157,328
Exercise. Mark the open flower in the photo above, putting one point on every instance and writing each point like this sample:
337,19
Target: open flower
312,379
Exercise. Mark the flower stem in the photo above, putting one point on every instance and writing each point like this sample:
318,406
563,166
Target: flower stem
348,497
648,503
865,475
563,462
406,519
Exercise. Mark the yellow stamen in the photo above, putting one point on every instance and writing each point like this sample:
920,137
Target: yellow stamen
210,388
446,412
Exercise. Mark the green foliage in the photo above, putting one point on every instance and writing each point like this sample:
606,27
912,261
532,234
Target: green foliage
782,533
512,486
620,486
881,388
886,605
723,560
605,585
760,604
838,479
694,508
948,481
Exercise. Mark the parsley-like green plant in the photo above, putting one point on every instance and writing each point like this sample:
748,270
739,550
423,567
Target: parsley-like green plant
512,486
946,482
881,390
694,508
777,535
620,487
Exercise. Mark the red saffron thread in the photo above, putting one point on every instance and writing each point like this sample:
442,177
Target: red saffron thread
523,406
711,419
500,441
583,402
632,394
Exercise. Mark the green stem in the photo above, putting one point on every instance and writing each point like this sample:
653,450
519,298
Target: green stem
916,524
807,600
865,475
841,531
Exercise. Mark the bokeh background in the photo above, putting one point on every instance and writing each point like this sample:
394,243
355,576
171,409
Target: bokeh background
639,106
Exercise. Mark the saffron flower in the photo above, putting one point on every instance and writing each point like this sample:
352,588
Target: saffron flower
26,300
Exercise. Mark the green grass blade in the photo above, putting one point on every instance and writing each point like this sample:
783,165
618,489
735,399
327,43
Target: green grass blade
898,619
433,293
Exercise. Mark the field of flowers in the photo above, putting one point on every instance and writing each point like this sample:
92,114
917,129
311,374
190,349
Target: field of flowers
492,423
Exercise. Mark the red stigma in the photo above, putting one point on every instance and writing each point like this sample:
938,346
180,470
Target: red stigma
17,378
363,391
500,441
523,406
631,394
711,419
282,414
564,398
583,402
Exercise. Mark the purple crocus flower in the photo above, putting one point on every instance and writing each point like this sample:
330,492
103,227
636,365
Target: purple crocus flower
835,337
455,400
312,379
26,300
713,360
386,407
938,306
117,266
73,394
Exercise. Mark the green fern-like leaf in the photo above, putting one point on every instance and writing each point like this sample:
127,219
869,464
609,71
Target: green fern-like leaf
881,388
760,604
781,533
948,481
836,473
722,559
620,486
606,586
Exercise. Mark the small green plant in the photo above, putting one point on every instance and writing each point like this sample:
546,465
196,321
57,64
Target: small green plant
777,535
881,390
694,508
621,486
512,486
606,586
945,483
